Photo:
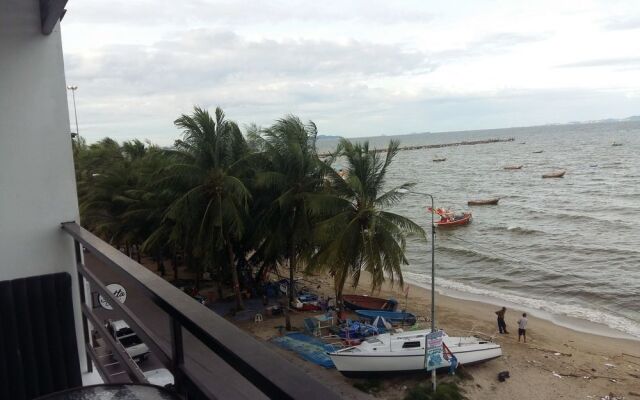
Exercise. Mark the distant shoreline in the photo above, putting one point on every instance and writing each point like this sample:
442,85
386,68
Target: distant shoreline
437,146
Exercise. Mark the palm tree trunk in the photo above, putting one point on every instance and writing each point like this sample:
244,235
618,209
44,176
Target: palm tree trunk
339,281
174,264
292,267
234,279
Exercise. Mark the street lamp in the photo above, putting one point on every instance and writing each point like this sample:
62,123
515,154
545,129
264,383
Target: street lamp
75,113
433,277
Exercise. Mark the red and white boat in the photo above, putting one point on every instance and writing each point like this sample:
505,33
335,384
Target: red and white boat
449,218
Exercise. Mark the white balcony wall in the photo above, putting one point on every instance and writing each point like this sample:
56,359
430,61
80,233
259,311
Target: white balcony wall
37,181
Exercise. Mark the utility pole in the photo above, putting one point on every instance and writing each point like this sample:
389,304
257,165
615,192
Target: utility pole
75,113
433,279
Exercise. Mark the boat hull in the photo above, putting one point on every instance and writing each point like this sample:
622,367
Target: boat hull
394,317
355,302
354,364
558,174
462,221
488,202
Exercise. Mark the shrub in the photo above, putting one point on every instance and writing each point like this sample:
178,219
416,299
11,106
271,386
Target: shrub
444,391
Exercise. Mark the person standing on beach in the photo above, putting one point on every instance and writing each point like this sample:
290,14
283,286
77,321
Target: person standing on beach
502,327
522,327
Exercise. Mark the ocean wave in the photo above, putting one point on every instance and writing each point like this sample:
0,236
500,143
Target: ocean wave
522,230
466,252
618,323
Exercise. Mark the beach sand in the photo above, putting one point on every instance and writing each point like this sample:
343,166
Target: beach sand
555,363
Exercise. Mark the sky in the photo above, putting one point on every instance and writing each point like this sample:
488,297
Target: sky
355,68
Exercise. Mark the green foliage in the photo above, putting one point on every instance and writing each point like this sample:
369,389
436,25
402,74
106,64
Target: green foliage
371,386
357,233
224,201
444,391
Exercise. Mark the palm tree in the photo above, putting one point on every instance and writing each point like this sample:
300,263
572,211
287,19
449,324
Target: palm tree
360,234
293,174
210,214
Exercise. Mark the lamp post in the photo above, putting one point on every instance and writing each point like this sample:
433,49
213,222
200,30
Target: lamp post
433,279
75,113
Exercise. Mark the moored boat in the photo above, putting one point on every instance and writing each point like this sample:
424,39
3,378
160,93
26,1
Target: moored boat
358,302
519,166
555,174
464,219
394,317
449,218
484,202
405,352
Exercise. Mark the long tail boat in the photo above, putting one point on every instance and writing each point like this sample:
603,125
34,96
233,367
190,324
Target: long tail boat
358,302
555,174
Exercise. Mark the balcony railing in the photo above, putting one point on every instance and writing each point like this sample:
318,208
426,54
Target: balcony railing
208,356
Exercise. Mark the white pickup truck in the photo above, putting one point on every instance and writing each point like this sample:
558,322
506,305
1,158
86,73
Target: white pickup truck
135,347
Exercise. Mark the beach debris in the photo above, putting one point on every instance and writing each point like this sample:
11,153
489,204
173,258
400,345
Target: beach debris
634,394
502,376
609,365
556,374
611,396
556,354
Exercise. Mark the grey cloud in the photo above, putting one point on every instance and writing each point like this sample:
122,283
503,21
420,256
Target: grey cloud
137,86
621,23
495,43
203,57
626,63
233,12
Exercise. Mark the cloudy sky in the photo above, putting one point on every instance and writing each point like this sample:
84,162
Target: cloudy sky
356,68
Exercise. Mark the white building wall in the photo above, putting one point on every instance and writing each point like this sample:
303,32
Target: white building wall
37,181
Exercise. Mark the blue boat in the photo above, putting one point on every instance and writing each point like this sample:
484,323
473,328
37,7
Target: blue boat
394,317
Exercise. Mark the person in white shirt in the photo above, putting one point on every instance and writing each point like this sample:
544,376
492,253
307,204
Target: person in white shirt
522,327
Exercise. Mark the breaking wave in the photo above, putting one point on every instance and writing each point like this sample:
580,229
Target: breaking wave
617,323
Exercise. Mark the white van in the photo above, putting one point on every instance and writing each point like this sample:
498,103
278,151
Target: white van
135,347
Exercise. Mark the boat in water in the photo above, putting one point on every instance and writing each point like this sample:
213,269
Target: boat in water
538,151
439,159
555,174
394,317
358,302
449,218
510,167
616,144
486,202
404,352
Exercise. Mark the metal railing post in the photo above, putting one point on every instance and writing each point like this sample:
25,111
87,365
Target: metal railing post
85,325
177,355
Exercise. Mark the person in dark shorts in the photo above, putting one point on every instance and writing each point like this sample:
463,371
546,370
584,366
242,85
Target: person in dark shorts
502,327
522,327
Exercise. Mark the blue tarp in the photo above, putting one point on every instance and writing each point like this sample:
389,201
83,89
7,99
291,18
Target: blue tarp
307,347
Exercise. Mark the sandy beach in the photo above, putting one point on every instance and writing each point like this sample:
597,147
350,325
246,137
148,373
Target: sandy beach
556,362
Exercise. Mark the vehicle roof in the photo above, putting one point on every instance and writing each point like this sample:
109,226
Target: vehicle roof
119,324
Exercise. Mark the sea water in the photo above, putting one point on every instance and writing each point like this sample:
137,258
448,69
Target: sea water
567,247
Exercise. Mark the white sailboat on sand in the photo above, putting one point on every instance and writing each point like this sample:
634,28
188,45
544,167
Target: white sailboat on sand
405,352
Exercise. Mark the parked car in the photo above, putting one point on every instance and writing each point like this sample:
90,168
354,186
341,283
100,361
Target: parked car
132,344
160,377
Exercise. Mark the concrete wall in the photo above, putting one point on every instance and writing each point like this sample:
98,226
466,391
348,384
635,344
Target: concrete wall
37,181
